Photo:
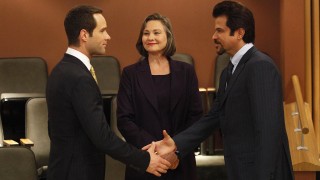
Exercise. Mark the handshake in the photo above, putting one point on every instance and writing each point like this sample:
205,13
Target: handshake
162,155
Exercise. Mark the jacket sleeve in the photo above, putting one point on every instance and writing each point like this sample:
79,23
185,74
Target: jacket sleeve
189,139
87,104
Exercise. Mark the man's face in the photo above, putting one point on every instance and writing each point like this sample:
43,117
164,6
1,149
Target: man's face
222,37
97,43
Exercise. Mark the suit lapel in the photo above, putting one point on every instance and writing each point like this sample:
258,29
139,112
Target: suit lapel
177,80
71,59
146,83
237,72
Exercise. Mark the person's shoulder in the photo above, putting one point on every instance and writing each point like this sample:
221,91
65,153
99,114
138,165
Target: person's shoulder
132,67
262,55
259,57
260,61
69,68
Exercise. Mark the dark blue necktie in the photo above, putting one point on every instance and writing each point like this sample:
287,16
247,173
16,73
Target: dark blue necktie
229,71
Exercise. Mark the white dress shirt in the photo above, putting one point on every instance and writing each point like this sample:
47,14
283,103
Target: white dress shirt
237,57
83,58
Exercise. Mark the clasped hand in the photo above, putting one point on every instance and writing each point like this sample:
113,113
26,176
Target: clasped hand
164,148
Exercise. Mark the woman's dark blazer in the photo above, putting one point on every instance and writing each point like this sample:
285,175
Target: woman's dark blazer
138,112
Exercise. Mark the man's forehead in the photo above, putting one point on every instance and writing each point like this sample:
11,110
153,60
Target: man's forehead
220,21
100,20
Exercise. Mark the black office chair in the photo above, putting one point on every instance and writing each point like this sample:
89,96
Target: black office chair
1,134
114,169
37,132
107,70
183,57
17,163
20,79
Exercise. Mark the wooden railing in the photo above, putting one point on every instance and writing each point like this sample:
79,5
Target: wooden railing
301,135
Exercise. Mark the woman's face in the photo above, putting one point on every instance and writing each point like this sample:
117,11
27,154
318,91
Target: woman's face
154,37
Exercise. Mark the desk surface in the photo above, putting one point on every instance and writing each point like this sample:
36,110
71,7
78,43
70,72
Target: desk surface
210,160
21,95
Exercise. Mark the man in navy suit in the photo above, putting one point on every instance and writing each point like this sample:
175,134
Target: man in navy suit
78,130
248,107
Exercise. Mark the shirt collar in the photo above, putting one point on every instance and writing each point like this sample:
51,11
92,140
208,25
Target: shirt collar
237,57
83,58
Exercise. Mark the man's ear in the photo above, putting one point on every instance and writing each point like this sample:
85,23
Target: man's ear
84,34
240,33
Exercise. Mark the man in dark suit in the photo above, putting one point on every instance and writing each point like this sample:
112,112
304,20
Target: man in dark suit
80,136
248,107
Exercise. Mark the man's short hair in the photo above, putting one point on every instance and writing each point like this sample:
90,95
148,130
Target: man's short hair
238,16
78,18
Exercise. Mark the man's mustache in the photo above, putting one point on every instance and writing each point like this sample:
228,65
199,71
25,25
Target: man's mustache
216,41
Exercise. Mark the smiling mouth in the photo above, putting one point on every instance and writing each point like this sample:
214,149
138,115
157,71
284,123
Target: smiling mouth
151,44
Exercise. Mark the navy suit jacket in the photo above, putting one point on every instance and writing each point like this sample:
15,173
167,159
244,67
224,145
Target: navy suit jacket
138,111
78,130
250,114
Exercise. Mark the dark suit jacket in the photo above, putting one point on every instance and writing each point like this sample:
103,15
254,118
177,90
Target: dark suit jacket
80,136
250,114
138,112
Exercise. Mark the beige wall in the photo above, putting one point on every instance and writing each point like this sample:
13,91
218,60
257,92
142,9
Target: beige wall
35,28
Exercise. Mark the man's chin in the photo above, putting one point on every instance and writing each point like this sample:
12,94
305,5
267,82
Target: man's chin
102,52
220,52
